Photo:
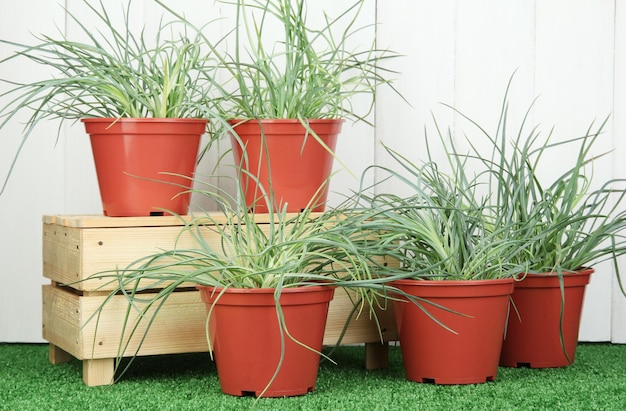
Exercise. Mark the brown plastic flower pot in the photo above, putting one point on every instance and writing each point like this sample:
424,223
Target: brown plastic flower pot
533,336
469,353
144,165
248,341
282,157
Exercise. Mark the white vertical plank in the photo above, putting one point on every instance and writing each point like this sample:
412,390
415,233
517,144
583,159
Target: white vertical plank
423,34
494,40
618,309
36,185
574,76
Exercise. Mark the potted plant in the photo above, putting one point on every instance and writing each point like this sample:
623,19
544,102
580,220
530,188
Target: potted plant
266,287
456,269
286,97
568,227
145,107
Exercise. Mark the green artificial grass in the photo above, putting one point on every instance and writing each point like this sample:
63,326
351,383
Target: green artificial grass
597,381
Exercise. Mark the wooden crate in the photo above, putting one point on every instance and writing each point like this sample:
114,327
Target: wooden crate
75,247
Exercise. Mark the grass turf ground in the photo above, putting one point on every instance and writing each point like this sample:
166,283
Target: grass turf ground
597,381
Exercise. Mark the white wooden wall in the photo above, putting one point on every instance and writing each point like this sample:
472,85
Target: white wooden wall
571,53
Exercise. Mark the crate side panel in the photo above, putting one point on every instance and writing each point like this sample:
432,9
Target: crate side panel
111,249
179,327
361,328
62,254
60,319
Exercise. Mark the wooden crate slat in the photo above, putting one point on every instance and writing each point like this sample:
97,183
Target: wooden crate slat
101,221
76,247
62,253
362,328
178,328
61,320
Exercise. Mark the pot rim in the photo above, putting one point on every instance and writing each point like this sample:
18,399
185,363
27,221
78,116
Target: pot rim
268,290
450,283
242,121
142,120
565,273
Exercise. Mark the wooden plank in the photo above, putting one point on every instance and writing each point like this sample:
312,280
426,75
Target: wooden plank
376,355
178,328
61,320
71,255
62,253
101,221
108,249
362,328
58,356
98,372
76,248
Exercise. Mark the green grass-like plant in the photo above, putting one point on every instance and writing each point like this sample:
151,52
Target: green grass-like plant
566,223
113,73
280,64
310,72
286,250
441,229
493,214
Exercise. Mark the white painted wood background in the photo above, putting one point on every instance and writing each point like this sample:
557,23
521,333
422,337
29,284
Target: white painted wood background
570,53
